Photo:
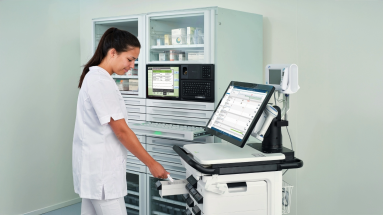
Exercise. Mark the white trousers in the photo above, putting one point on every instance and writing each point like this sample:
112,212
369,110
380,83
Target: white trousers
103,207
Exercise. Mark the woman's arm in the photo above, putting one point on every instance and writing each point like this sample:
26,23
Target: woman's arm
128,138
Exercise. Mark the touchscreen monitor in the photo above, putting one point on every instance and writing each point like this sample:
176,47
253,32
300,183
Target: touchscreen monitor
163,81
238,111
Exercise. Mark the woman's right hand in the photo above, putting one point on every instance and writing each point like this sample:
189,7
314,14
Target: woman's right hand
158,170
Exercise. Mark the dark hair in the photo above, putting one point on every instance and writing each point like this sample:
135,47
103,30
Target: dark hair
113,38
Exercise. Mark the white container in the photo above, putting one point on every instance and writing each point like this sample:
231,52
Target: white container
125,85
173,55
160,41
190,35
287,190
163,56
178,36
193,56
167,39
132,85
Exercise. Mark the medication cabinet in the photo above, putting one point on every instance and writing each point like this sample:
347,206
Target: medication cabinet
231,40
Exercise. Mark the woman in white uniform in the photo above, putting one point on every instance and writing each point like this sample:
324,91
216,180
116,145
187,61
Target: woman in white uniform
101,134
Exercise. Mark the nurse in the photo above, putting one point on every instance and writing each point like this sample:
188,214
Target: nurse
101,134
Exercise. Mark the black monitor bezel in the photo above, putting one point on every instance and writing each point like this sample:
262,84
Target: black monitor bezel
147,85
270,91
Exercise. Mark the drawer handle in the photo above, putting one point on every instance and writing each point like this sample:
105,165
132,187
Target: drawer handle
177,104
162,112
133,117
133,109
179,120
166,158
163,150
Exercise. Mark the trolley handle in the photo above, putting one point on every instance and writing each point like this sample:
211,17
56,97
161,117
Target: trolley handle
297,163
191,161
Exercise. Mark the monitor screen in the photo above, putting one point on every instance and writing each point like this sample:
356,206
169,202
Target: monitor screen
275,76
238,111
163,81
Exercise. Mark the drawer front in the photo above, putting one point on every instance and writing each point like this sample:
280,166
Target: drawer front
165,158
161,149
179,112
174,174
142,139
170,142
173,166
136,116
180,104
134,101
176,120
135,109
135,167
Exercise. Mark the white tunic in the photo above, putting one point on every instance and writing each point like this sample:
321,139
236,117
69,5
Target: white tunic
99,158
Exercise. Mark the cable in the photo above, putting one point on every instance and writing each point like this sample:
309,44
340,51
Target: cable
275,100
285,172
290,139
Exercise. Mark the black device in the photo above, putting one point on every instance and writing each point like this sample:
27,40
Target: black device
239,111
186,82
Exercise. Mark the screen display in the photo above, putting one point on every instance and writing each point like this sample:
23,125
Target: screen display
237,110
163,81
275,76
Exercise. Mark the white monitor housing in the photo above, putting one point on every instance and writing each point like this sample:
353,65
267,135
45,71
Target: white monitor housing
284,77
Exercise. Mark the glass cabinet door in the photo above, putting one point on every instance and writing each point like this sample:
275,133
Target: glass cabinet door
133,82
178,37
135,200
174,205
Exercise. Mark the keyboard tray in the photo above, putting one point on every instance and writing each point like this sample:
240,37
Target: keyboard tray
166,132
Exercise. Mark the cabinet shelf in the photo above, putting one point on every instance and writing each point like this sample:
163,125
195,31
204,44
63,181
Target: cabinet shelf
164,47
169,201
129,92
125,76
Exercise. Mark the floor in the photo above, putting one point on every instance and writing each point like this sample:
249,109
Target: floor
69,210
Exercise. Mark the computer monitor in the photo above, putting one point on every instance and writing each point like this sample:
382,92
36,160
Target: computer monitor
163,81
239,111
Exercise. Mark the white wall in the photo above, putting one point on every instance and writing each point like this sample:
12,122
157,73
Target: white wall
334,120
40,66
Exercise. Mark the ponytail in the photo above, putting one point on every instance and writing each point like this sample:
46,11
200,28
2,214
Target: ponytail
113,38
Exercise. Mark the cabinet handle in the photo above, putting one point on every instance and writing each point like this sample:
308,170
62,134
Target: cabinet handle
180,120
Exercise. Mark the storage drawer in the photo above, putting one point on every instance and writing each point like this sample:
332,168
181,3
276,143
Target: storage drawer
134,160
173,166
142,139
136,116
205,114
174,174
135,167
166,132
180,104
172,142
176,120
161,149
134,101
135,109
166,158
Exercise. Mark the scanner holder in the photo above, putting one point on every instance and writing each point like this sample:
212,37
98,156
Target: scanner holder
272,141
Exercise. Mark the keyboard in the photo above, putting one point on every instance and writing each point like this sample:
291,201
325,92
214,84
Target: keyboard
203,89
182,132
